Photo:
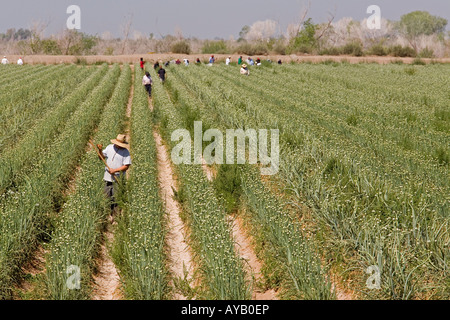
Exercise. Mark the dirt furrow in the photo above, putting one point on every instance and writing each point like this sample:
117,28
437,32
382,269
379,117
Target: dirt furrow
107,283
179,251
243,245
107,280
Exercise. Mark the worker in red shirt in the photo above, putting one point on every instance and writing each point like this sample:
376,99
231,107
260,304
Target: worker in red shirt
142,63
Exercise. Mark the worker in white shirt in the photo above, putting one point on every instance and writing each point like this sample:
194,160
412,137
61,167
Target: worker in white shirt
228,61
244,70
20,62
4,60
147,82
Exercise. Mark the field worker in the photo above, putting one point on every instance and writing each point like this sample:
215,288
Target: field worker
186,62
240,60
162,74
212,59
250,61
198,61
118,161
228,61
4,60
244,70
147,82
156,65
258,62
279,61
142,63
20,62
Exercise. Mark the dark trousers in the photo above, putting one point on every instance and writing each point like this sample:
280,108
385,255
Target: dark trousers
109,191
148,87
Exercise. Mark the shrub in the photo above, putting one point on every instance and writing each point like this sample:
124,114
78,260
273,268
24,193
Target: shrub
333,51
228,186
399,51
378,50
109,51
426,53
418,62
214,47
181,46
253,49
411,71
353,48
279,48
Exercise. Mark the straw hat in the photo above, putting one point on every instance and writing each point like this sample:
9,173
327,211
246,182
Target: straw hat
244,66
121,141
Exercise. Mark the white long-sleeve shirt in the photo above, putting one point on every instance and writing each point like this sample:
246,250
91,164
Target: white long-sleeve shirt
147,81
5,61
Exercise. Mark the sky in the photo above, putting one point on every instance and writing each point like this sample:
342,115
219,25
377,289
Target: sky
197,18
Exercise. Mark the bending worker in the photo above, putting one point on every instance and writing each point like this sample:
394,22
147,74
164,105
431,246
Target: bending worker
244,70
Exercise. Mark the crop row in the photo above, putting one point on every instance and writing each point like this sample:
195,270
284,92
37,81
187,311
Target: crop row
13,73
24,212
221,269
297,256
27,109
79,226
19,158
139,242
332,180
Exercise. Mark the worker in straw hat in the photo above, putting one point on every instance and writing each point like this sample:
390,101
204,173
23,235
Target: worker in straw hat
118,160
244,70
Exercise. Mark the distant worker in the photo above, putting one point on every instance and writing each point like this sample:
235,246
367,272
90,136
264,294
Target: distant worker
20,62
167,63
147,83
156,65
228,61
279,61
258,62
250,61
244,70
162,74
240,60
142,63
186,62
178,62
117,159
212,59
4,60
198,61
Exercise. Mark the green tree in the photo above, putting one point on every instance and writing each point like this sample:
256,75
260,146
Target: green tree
244,31
417,23
306,40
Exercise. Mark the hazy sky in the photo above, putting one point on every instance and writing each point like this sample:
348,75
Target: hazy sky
197,18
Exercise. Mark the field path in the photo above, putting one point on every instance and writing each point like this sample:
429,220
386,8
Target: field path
107,284
107,281
179,251
180,255
253,264
244,248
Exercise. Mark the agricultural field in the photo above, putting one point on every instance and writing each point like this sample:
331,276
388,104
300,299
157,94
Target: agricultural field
358,207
